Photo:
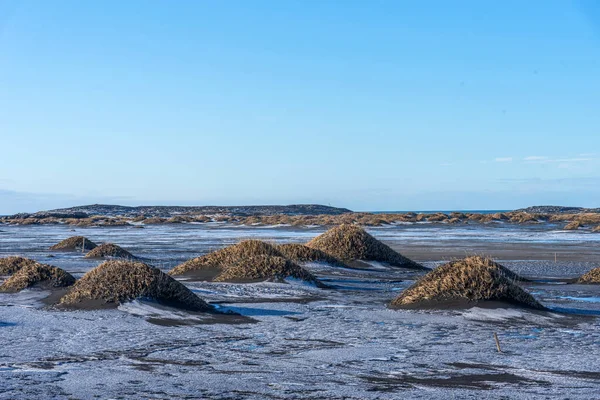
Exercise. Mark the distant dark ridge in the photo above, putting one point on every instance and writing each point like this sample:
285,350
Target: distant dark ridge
169,211
558,210
51,214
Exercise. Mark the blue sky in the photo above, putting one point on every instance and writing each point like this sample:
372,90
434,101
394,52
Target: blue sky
371,105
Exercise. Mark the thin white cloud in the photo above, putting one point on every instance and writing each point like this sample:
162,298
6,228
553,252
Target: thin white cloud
535,158
559,160
570,160
503,159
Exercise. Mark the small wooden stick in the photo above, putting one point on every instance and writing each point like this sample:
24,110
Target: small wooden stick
497,342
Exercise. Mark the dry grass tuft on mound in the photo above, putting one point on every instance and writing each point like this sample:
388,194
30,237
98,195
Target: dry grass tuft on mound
592,276
573,226
523,218
350,242
154,221
302,253
469,280
225,257
37,274
489,263
265,267
12,264
114,282
75,243
110,250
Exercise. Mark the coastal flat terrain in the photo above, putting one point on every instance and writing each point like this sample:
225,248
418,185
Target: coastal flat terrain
305,342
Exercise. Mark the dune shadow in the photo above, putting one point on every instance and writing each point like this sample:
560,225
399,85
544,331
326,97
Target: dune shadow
574,311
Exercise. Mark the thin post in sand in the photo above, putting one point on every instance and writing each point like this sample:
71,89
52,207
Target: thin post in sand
497,342
82,245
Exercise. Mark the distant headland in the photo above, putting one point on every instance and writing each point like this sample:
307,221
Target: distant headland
171,211
300,215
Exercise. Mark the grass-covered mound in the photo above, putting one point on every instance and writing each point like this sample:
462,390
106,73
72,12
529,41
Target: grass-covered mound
302,253
264,267
350,242
114,282
210,265
10,265
40,275
573,226
154,221
110,250
592,276
466,282
75,243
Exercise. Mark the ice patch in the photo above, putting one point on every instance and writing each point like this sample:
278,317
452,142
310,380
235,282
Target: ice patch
377,264
148,309
493,314
299,282
584,299
28,298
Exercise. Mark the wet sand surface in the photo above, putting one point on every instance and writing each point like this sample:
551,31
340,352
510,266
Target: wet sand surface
583,252
303,342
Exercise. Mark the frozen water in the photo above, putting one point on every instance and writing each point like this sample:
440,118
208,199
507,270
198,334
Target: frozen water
303,342
587,299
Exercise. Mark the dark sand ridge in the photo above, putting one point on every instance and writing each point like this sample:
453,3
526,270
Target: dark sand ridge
12,264
448,250
592,277
110,250
302,253
37,275
210,265
114,282
351,243
465,283
75,243
264,267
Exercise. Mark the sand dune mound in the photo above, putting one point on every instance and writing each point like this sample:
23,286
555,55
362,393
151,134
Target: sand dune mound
592,276
154,221
465,282
75,243
211,264
265,267
40,275
350,242
110,250
10,265
114,282
573,226
302,253
489,263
